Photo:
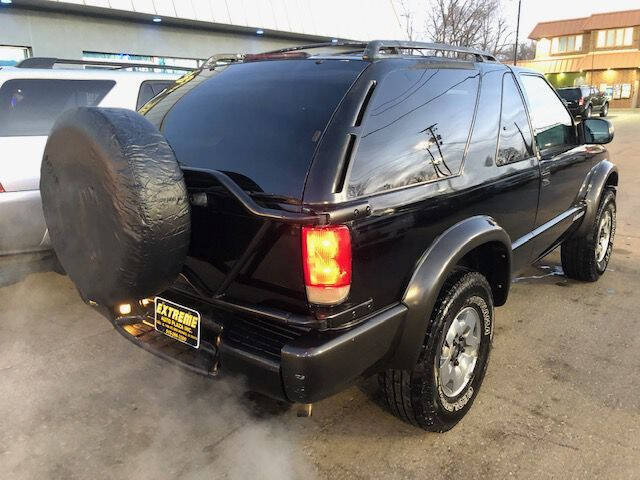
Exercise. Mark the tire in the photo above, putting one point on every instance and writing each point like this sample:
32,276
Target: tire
420,396
586,257
115,204
605,110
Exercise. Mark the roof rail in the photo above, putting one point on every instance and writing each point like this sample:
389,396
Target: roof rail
372,49
49,62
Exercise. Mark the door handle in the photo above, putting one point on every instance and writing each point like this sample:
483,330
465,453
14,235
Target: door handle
545,173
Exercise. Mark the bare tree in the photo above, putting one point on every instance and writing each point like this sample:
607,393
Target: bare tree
470,23
526,51
406,17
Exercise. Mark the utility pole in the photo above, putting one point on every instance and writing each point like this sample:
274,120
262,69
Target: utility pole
515,52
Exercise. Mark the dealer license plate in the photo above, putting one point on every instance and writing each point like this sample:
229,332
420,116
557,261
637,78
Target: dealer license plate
177,321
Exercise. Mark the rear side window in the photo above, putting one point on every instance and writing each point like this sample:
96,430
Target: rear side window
149,89
416,129
552,124
29,107
515,135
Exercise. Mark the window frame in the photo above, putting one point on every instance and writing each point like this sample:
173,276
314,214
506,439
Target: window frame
561,45
534,151
621,37
537,150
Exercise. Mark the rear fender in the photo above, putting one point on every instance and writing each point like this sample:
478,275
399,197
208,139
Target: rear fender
430,274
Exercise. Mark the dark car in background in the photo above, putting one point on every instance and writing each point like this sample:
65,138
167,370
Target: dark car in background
584,101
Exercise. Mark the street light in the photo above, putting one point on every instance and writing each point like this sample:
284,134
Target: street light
515,52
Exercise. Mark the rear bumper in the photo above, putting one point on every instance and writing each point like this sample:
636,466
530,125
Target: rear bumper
288,364
22,225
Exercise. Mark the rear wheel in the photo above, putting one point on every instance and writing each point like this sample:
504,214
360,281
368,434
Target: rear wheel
445,381
605,110
586,257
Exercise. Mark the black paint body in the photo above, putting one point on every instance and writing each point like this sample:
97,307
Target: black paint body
375,144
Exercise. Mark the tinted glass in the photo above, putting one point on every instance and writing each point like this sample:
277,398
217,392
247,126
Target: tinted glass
30,106
259,121
415,129
571,94
515,134
552,125
150,89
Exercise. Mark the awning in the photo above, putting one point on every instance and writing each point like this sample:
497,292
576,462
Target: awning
604,61
559,65
597,61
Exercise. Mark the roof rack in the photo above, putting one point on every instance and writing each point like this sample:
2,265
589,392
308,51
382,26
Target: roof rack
49,62
377,49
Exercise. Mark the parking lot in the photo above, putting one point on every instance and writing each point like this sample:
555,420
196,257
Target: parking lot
561,398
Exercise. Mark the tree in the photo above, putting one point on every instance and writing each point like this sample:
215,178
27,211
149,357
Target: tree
470,23
406,18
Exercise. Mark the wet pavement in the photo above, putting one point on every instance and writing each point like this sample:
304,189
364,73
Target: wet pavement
561,398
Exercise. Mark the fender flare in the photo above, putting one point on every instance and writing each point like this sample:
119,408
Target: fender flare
430,274
602,174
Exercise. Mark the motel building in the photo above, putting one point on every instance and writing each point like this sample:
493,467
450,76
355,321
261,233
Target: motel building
601,50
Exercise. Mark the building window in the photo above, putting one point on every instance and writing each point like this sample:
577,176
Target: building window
13,55
617,37
571,43
167,62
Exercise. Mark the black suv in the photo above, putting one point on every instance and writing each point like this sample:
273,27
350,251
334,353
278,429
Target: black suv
585,101
310,216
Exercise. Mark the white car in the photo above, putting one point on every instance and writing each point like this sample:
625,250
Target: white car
30,100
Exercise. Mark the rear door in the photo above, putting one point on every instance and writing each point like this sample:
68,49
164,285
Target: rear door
28,109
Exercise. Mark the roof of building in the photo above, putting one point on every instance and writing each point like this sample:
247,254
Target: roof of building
597,21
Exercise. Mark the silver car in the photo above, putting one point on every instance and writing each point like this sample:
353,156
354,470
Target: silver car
30,101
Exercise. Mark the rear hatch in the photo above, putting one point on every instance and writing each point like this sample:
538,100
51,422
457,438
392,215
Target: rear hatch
571,96
260,123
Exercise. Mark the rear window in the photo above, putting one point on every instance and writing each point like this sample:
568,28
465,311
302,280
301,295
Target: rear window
29,107
571,94
259,122
149,89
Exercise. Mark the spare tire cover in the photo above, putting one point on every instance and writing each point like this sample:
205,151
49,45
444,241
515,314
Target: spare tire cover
115,203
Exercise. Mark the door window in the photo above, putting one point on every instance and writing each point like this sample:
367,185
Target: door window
29,107
515,135
552,125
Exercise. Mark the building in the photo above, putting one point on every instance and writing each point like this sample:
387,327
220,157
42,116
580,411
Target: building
601,50
180,32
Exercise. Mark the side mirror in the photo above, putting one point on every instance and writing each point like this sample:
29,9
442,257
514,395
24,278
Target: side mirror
597,131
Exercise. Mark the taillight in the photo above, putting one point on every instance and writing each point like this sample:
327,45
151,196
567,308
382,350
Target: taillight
326,259
581,101
1,188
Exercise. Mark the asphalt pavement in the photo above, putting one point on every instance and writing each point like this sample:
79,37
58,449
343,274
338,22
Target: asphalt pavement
561,398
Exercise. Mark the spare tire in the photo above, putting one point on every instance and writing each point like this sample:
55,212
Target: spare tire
115,203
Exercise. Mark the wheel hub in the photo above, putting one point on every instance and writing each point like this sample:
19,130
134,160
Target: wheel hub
604,236
459,353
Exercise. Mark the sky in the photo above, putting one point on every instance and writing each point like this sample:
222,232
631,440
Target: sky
534,11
